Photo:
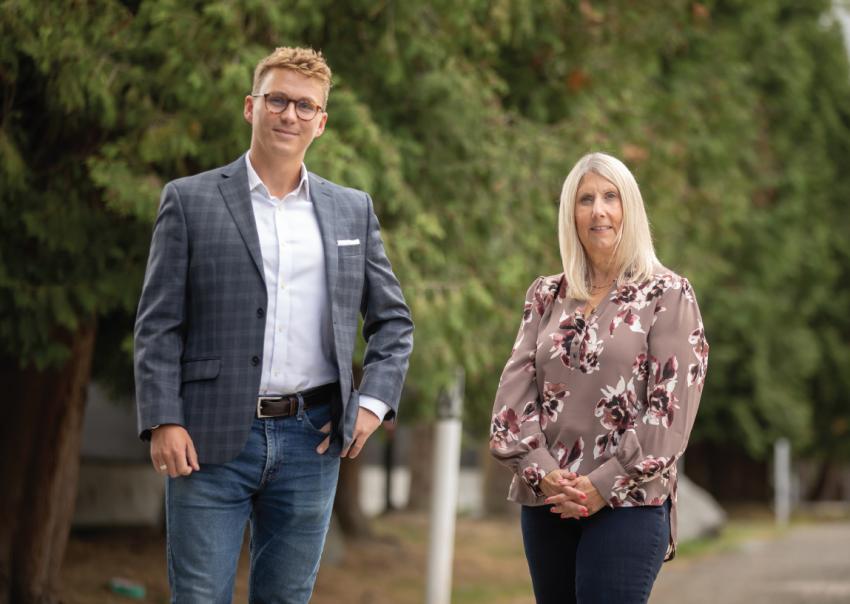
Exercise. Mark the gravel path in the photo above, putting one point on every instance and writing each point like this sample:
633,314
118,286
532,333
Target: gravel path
809,564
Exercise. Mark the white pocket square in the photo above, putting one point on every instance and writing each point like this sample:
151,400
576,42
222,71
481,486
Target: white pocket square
345,242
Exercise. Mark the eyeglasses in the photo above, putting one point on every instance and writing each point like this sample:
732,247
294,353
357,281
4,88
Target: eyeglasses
277,103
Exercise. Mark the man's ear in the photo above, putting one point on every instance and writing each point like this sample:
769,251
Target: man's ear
321,128
248,109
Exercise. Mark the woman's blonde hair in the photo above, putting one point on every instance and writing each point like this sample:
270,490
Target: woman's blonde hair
634,257
305,61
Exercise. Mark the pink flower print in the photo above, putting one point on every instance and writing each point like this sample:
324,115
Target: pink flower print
697,371
628,317
570,458
504,428
616,408
553,402
661,400
533,475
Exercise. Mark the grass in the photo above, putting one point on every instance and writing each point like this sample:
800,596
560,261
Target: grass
748,523
489,564
731,537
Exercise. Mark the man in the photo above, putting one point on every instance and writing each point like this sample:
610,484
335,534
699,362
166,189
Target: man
243,346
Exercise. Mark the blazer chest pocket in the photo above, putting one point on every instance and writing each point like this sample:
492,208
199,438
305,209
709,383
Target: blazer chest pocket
347,248
200,369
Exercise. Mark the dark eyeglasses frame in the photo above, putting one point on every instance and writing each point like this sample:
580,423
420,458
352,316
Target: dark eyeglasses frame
316,108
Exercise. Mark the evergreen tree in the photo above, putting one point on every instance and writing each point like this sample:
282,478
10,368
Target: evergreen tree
462,119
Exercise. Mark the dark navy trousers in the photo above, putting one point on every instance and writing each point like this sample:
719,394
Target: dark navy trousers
612,557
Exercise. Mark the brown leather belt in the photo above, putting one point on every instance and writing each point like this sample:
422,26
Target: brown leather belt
286,405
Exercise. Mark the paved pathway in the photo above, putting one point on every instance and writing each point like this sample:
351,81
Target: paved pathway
808,565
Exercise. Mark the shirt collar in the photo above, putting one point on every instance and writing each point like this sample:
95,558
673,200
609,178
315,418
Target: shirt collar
255,181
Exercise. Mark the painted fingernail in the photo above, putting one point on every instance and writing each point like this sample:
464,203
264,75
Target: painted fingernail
584,512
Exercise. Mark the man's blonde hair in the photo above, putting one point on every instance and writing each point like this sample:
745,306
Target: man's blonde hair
634,257
305,61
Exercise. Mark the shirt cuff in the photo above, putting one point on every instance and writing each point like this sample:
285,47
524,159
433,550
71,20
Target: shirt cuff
534,468
378,407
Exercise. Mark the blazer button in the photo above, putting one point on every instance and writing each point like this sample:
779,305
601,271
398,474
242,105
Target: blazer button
255,360
260,313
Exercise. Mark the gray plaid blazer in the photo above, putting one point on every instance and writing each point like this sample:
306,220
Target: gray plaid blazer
201,317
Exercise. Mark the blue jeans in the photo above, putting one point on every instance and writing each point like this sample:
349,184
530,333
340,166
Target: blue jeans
612,556
283,486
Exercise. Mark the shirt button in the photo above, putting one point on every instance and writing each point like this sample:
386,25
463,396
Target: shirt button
260,313
255,360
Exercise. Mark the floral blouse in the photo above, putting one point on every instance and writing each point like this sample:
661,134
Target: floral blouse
611,395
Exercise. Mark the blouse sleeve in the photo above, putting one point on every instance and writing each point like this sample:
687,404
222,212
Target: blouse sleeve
673,372
516,436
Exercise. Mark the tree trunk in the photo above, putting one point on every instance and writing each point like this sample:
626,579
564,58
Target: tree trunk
352,520
39,461
421,467
827,484
497,479
388,459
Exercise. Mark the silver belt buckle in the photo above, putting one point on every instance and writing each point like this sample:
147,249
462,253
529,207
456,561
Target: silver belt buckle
261,400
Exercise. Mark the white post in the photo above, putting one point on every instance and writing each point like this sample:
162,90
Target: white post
446,469
782,480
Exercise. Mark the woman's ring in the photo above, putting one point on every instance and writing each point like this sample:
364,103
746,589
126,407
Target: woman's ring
163,467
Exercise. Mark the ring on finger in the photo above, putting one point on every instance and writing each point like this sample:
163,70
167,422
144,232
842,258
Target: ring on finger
163,468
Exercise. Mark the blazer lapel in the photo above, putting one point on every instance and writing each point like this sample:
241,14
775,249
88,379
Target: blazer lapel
237,196
324,205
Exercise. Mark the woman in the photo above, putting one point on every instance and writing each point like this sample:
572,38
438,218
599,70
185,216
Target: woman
598,398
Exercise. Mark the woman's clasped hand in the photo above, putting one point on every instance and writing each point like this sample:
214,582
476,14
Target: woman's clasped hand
571,495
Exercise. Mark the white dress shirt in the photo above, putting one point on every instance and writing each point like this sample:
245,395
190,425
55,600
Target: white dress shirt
298,350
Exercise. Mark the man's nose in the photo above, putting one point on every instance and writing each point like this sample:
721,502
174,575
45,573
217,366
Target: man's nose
289,113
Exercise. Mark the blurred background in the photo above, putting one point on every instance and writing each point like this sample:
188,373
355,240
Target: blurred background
461,118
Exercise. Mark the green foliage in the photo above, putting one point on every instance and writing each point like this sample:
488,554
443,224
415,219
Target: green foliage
461,119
